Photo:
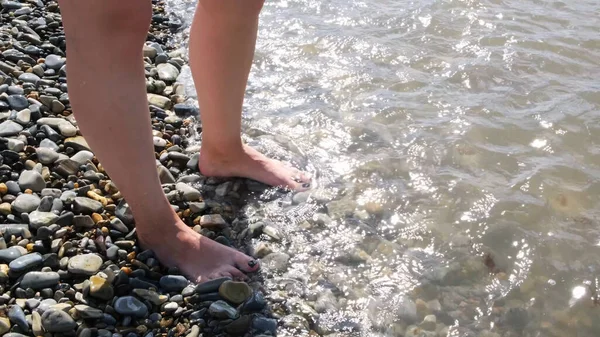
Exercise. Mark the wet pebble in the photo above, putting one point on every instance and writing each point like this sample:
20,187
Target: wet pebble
54,320
40,280
86,264
130,306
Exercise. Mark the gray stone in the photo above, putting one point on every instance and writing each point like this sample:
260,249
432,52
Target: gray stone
189,193
220,309
130,306
173,283
86,205
223,189
29,78
83,221
159,142
23,117
117,224
51,192
54,320
9,254
167,72
159,101
123,212
54,61
197,207
407,309
67,129
32,180
86,264
47,143
17,102
88,312
26,203
25,262
67,167
82,157
16,145
46,156
46,304
211,286
38,219
10,128
264,324
17,316
165,175
51,121
39,280
277,262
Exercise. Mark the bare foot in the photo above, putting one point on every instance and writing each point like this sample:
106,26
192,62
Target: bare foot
199,258
249,163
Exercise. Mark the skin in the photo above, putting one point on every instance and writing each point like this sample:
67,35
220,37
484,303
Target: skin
221,50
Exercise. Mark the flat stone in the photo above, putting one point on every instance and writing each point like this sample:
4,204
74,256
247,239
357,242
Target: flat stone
220,309
23,117
167,72
235,292
211,286
51,121
29,78
239,327
54,61
173,283
159,101
26,262
16,145
189,193
10,128
67,129
36,323
130,306
159,142
82,157
67,167
197,207
54,320
86,205
39,280
17,102
277,262
26,203
46,304
83,221
88,312
32,180
78,143
215,221
7,255
86,264
101,288
165,175
39,219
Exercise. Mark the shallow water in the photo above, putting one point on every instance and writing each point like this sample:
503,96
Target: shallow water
456,149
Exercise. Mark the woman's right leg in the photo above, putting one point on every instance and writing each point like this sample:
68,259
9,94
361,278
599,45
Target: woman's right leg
107,91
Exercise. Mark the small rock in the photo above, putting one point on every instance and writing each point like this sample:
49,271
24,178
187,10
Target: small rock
32,180
167,72
189,193
39,219
39,280
101,288
130,306
36,323
165,175
82,157
173,283
88,312
213,221
211,286
86,264
123,212
117,224
23,117
26,203
264,324
67,129
83,221
7,255
235,292
54,320
10,128
86,205
220,309
17,316
17,102
278,262
25,262
4,325
78,143
159,101
151,296
29,78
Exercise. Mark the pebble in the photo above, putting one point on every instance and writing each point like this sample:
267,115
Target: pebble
4,325
101,288
10,128
17,102
189,193
123,212
39,280
39,219
220,309
29,78
82,157
15,145
26,203
167,72
165,175
86,264
86,205
23,117
151,296
46,304
235,292
54,320
54,61
83,221
9,254
173,283
66,129
211,286
264,324
213,221
78,143
159,101
88,312
36,323
130,306
277,262
25,262
17,316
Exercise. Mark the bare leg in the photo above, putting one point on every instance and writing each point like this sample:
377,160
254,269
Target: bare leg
91,28
221,50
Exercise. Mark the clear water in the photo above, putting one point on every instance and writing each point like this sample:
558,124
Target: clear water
456,147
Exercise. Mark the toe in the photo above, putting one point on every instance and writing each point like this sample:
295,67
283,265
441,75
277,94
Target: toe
246,263
236,273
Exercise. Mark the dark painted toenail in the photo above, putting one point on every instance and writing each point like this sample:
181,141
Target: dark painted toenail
252,263
306,185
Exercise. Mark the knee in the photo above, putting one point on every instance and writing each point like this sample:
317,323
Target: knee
233,8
